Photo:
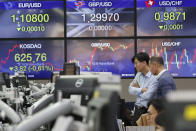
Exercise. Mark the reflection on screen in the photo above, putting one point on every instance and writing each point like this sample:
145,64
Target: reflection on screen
31,19
102,55
166,18
179,54
37,58
104,18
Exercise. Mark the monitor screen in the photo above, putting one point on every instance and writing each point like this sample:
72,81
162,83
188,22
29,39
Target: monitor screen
102,55
179,54
166,18
37,58
2,79
77,85
31,18
179,112
105,18
70,69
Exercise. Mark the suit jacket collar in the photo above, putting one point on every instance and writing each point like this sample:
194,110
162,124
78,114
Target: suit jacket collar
159,75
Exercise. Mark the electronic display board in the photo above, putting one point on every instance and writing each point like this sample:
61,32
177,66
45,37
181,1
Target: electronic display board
37,58
179,54
102,55
100,18
31,19
166,17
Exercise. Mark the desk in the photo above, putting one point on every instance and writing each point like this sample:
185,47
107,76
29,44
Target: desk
140,128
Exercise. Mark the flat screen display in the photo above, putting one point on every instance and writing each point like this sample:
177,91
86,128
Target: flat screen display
179,54
166,17
31,19
100,18
102,55
37,58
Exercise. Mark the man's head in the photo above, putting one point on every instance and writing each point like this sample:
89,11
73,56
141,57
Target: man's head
155,106
141,61
161,121
156,64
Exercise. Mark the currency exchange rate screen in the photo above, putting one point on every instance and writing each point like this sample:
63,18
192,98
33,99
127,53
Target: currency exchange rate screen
179,54
100,18
103,55
166,17
31,18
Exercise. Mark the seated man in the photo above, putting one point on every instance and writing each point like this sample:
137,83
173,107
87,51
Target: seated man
143,86
155,106
165,80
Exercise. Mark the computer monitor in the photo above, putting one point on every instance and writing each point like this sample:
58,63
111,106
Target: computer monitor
2,81
5,79
76,85
20,81
70,69
180,111
102,110
109,113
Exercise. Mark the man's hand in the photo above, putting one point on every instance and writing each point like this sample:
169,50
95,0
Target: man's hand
144,90
135,85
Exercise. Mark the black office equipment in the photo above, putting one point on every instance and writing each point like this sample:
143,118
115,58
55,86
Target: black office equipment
5,79
103,109
70,69
20,81
180,112
76,85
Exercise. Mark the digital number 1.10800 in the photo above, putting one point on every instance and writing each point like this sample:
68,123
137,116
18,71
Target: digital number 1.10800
31,18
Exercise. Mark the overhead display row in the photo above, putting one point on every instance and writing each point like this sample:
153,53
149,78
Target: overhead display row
90,18
39,58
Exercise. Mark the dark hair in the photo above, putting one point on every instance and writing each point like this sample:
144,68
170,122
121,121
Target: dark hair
157,104
157,59
142,56
160,119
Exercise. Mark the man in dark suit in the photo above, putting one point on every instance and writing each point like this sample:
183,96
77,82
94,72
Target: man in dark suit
165,80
